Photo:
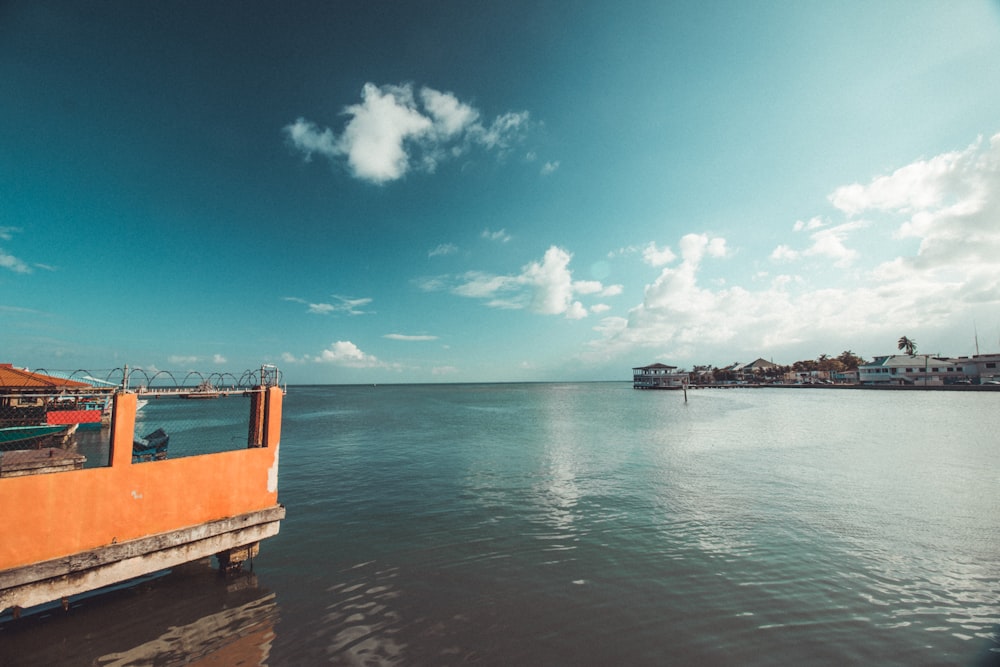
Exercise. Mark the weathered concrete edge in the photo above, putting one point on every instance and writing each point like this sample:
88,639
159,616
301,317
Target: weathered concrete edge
35,584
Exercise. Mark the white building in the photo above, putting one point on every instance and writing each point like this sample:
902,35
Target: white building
658,376
981,368
923,370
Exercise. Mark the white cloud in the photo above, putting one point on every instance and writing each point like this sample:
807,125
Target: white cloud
392,129
550,168
479,285
444,370
500,236
309,139
345,353
949,204
504,132
552,284
406,337
655,256
7,260
588,287
922,185
451,117
784,253
830,243
443,249
827,242
575,311
218,359
182,360
11,262
348,305
545,287
612,290
812,223
373,139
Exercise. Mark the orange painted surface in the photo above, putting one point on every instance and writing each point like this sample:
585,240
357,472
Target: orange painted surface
73,417
59,514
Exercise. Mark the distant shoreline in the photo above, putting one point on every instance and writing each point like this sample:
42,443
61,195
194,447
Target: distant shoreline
891,387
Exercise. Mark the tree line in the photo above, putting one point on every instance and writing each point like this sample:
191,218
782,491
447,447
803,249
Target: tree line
845,361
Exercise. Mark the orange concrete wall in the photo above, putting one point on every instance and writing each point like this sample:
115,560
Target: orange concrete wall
59,514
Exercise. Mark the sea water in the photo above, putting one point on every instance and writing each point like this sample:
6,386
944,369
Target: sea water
591,524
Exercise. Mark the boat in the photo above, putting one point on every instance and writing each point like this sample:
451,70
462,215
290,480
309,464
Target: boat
151,447
203,390
30,437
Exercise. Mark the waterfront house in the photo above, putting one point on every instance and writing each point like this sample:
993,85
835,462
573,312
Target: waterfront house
754,371
913,370
658,376
981,368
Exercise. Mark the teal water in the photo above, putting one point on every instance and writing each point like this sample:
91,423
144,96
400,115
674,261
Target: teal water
590,524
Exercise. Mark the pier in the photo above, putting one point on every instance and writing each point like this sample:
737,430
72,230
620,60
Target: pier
68,530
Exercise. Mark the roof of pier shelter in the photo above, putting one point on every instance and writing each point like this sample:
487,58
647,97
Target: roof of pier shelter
654,367
17,378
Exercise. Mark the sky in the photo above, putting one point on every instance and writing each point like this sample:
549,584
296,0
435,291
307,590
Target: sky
455,191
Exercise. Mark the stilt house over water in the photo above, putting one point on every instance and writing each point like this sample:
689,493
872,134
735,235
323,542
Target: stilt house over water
658,376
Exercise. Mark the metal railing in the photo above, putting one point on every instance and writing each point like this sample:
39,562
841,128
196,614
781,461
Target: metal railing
57,430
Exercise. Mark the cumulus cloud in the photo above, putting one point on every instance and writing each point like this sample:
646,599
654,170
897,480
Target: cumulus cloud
784,253
655,256
218,359
830,243
395,129
545,287
550,168
827,242
345,353
949,205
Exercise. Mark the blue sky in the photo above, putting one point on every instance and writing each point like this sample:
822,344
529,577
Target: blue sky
485,191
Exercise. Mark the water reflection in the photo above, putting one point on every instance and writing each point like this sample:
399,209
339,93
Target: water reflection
189,615
364,619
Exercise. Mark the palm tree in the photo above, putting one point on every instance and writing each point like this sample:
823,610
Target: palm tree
907,344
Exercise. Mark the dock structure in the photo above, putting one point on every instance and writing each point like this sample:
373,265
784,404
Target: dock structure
658,376
76,530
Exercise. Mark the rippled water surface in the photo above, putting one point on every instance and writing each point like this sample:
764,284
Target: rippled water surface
571,524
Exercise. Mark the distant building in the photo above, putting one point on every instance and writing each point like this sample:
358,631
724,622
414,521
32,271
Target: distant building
916,370
845,377
658,376
21,385
754,371
981,368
